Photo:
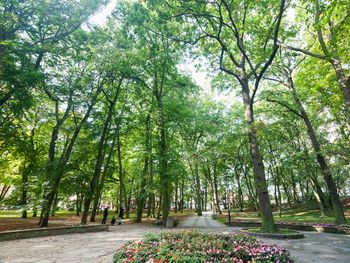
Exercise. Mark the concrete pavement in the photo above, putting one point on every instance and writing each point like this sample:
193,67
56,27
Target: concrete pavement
86,248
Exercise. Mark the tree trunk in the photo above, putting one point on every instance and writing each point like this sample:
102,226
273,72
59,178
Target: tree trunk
54,205
120,171
4,191
344,83
239,191
59,171
326,172
182,199
49,198
216,189
101,152
278,175
153,205
24,193
268,224
159,207
176,197
165,181
78,204
96,175
323,199
252,199
198,187
294,186
206,196
98,194
143,184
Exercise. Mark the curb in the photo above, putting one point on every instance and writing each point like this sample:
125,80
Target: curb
273,235
324,229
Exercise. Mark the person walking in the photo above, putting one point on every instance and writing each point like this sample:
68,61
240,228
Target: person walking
120,216
105,215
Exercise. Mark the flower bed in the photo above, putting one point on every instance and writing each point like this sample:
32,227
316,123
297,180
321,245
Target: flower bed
191,246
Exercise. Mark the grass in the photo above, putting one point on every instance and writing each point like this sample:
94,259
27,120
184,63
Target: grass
296,214
11,213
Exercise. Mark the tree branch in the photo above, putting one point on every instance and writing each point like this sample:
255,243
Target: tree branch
286,106
274,50
306,52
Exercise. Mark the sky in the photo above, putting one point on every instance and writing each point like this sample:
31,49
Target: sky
100,18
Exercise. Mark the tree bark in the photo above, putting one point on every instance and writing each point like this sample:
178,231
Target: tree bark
321,160
120,171
4,190
101,152
142,189
198,187
58,173
239,191
54,205
216,189
268,224
165,181
100,185
24,193
176,197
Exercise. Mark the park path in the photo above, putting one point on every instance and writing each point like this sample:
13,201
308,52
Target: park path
99,247
204,221
96,247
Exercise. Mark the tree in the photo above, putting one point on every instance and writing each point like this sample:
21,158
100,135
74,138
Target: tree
287,80
330,21
229,29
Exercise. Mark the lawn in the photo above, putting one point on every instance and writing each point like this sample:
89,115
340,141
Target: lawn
296,214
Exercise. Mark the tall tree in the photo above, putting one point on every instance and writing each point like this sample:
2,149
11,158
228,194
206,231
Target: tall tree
245,37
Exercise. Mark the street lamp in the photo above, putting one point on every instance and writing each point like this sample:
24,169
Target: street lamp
229,205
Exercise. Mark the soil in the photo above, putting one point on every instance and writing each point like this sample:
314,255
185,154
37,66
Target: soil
9,224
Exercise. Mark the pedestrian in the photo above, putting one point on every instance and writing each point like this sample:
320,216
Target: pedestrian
113,221
120,216
105,215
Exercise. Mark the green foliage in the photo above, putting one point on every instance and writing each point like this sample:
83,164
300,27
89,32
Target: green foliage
173,141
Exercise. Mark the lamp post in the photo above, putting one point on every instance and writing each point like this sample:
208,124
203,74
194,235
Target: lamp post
229,201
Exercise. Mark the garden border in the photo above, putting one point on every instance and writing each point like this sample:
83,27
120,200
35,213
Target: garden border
293,226
296,235
52,231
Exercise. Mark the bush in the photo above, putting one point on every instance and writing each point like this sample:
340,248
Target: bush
190,246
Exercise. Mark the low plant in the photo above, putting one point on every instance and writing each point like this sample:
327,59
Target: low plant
193,247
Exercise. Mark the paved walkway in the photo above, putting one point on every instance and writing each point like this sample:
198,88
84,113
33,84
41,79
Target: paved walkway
100,247
317,247
204,221
96,247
